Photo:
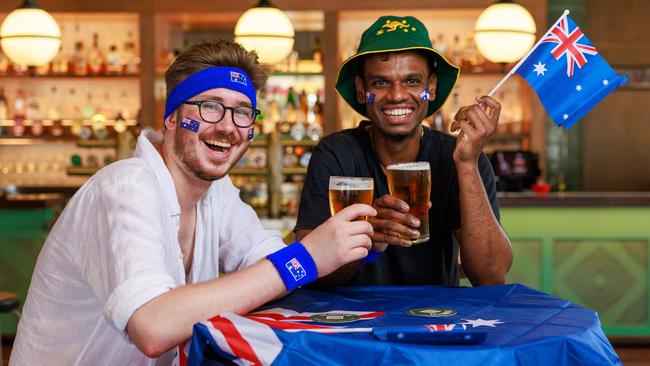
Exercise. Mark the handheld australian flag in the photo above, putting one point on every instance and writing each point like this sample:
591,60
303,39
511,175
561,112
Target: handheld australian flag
569,76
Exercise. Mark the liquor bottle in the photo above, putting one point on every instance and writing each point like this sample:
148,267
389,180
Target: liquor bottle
131,59
54,112
96,65
456,52
440,45
290,108
473,60
60,63
88,110
79,59
34,114
4,64
317,52
113,61
4,106
303,107
19,113
317,110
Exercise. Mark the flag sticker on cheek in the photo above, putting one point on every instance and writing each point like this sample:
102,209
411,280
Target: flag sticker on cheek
251,134
424,96
370,98
190,124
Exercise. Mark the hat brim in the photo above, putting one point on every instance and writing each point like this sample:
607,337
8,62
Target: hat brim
447,75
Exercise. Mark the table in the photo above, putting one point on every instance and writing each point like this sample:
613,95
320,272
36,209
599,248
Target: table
524,327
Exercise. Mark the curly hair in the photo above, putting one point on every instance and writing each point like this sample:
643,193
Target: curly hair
218,53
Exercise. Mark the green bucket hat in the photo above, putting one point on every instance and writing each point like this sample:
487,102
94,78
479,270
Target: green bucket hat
393,34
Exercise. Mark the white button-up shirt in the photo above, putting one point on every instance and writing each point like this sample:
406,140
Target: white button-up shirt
114,248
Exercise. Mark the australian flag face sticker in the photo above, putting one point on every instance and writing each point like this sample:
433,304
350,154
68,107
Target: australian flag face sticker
424,95
296,269
190,124
370,98
237,77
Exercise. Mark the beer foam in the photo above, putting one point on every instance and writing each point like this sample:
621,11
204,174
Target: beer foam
416,165
350,183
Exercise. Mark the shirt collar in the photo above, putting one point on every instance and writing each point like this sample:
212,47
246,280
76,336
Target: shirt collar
145,149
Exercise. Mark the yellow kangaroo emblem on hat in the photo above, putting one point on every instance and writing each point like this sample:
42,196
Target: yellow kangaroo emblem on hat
393,25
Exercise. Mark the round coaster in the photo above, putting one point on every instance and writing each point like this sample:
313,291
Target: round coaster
431,312
335,318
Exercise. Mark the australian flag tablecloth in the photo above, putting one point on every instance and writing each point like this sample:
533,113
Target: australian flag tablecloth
523,327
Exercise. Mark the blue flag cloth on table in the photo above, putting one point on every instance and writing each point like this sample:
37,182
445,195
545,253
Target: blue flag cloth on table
524,327
568,74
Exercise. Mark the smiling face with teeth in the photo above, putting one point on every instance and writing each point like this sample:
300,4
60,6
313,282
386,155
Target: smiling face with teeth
209,153
396,79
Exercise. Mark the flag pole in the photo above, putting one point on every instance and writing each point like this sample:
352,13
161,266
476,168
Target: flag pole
514,69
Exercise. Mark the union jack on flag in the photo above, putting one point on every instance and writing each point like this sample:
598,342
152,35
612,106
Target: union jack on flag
569,76
567,44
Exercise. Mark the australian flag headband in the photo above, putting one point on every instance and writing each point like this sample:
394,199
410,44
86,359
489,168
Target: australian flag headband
213,77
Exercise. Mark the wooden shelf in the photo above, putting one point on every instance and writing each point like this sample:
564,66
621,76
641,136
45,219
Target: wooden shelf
291,142
97,143
80,170
259,143
249,171
296,170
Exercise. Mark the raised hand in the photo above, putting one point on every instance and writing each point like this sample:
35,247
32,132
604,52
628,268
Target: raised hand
477,124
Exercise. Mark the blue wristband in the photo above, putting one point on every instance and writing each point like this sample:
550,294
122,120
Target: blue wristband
372,256
295,265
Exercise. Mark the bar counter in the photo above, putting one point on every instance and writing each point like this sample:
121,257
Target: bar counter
590,248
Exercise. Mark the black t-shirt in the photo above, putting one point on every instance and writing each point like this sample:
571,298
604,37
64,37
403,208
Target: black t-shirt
350,153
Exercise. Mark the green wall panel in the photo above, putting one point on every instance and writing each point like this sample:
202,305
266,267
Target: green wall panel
596,257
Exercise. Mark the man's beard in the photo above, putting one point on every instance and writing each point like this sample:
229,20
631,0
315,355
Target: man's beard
190,159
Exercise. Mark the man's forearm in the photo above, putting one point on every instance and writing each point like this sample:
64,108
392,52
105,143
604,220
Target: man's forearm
168,319
484,246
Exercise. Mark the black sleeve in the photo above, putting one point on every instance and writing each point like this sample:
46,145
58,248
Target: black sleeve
314,200
487,175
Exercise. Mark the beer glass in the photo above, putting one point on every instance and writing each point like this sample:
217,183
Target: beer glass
345,191
411,182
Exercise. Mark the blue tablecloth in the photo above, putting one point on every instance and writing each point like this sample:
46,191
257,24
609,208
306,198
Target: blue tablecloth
525,327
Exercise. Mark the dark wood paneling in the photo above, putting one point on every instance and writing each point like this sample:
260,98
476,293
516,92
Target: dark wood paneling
616,138
617,131
621,30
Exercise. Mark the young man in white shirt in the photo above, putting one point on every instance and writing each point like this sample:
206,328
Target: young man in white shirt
134,260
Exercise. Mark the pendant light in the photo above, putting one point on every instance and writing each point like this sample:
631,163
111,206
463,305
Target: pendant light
29,35
504,32
267,30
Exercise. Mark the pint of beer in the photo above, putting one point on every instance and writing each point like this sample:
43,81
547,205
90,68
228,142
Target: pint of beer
411,182
345,191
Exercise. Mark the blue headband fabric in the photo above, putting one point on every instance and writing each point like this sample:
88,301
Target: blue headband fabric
211,78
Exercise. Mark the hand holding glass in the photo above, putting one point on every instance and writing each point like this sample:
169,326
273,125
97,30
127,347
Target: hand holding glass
411,182
345,191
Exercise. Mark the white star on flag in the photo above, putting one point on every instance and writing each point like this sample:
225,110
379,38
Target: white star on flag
565,116
481,322
605,82
578,87
540,69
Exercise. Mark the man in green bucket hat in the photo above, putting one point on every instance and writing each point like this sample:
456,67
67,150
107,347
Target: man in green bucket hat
396,79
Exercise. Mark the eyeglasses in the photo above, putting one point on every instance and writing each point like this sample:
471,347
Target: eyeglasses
212,112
